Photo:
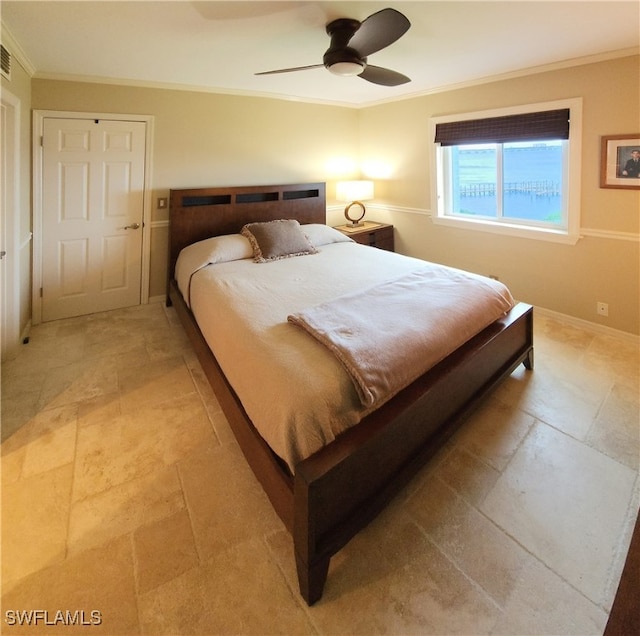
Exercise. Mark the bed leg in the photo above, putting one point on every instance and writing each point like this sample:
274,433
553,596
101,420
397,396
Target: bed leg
528,361
311,578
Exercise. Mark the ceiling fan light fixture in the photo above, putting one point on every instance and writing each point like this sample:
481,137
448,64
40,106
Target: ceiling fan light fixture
346,69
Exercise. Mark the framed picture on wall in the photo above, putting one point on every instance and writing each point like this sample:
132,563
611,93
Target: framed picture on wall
620,161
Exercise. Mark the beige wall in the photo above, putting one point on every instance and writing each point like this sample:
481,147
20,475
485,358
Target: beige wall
206,139
203,139
20,88
562,278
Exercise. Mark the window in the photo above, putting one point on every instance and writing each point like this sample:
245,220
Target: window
512,171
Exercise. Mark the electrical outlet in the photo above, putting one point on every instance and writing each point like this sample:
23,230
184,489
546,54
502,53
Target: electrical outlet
602,309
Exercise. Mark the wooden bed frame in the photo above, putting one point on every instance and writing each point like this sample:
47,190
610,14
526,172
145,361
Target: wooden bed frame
342,487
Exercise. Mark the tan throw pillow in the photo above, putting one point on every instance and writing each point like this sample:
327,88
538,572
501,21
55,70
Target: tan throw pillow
274,240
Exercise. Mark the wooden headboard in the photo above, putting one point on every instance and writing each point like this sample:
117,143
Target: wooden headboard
198,213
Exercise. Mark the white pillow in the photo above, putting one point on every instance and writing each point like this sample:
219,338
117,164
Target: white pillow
217,249
320,234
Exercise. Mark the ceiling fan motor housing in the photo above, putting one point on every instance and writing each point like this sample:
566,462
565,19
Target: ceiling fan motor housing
340,58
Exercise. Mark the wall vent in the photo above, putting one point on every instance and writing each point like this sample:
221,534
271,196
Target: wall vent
5,62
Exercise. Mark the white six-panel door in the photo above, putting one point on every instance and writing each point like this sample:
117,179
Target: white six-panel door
92,215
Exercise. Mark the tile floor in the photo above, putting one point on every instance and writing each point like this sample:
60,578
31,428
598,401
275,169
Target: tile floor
124,493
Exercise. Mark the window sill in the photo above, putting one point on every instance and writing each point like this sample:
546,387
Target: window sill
494,227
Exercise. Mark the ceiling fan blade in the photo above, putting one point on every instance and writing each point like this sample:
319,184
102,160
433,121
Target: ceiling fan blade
378,31
383,76
290,70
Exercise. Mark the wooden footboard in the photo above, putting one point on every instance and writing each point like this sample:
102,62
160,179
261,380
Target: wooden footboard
341,488
344,486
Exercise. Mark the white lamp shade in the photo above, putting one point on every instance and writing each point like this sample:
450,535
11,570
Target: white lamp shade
354,190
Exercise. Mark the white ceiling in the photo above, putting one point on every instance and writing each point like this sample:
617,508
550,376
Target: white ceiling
218,46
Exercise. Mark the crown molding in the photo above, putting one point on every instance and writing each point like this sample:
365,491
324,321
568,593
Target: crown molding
573,62
17,52
532,70
192,88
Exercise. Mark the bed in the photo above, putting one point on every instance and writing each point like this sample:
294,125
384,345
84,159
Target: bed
328,489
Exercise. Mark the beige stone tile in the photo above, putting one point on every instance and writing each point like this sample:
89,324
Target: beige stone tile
99,410
52,440
390,579
239,590
17,412
616,356
471,541
11,462
163,550
567,504
226,503
214,410
107,339
544,604
123,508
153,382
70,327
564,340
494,432
99,580
68,348
21,386
138,443
79,381
554,497
470,477
14,447
565,395
35,513
616,429
50,346
134,356
167,342
171,316
222,428
19,379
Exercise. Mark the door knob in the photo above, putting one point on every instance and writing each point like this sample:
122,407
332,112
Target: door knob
133,226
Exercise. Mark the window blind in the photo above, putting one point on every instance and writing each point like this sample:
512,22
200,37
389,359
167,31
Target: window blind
544,125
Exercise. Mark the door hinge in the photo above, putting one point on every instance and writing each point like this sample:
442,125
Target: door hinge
42,140
41,292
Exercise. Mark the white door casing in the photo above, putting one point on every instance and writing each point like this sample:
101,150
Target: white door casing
91,252
9,224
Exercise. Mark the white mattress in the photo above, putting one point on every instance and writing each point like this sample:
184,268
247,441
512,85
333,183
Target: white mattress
295,391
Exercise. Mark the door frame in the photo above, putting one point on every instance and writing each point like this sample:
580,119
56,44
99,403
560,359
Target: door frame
11,216
38,131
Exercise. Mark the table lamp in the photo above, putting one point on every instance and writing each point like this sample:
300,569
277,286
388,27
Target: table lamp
356,192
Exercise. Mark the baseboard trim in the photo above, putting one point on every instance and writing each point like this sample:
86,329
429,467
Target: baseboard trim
589,326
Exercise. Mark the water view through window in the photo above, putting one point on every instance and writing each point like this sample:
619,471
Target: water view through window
531,180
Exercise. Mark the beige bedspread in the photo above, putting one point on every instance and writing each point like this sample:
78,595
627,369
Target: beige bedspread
389,335
296,392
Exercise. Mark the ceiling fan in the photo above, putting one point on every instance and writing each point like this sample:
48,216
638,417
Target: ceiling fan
352,41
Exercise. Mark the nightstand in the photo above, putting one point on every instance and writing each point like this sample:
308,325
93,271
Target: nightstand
370,233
